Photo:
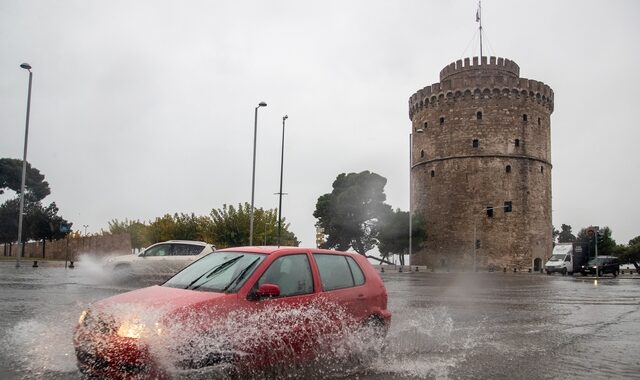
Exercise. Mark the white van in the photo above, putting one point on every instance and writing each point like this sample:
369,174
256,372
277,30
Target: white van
561,260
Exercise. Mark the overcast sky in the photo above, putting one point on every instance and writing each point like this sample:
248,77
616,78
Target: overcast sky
142,108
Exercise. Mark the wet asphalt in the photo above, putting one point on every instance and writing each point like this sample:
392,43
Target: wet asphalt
445,325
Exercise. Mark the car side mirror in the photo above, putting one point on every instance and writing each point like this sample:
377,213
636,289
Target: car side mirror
268,291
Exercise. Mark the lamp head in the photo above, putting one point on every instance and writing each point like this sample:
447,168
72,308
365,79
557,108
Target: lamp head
262,104
26,66
285,117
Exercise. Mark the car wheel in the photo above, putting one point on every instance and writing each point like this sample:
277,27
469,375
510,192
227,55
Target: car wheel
374,332
122,272
549,273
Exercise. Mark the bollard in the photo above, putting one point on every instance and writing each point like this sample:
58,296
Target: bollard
504,270
416,269
432,270
529,270
71,264
382,270
400,269
35,263
515,270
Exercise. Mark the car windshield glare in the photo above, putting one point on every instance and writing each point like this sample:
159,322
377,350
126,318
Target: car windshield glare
216,271
556,257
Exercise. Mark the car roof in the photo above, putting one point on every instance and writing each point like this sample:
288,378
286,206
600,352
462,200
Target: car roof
267,250
194,242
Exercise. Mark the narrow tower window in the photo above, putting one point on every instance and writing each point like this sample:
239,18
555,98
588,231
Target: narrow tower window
539,121
475,143
422,154
479,115
517,142
425,125
524,117
433,173
442,120
490,211
508,169
541,169
508,206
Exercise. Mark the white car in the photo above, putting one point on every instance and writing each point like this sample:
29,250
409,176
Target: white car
162,259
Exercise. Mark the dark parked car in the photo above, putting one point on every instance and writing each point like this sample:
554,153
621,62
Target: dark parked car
602,265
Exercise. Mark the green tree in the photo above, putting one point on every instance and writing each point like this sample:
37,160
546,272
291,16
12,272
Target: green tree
229,227
351,213
36,188
44,223
565,235
39,222
138,231
393,234
606,244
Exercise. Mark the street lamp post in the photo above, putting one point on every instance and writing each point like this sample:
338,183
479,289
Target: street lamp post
27,67
284,118
253,175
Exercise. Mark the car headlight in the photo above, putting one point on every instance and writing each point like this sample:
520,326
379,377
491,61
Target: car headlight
134,328
131,329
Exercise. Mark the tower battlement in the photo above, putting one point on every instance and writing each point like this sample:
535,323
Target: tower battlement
468,79
471,66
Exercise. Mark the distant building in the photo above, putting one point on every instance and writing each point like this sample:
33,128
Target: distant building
481,160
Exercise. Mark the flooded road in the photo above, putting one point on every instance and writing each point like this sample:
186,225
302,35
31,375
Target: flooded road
445,325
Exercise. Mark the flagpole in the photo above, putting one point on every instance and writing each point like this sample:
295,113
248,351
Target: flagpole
480,21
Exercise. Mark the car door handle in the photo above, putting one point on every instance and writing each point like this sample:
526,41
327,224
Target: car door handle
361,297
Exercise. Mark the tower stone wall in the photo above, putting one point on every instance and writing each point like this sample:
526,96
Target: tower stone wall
481,138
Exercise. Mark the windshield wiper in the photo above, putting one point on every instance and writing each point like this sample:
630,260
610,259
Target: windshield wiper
213,271
240,275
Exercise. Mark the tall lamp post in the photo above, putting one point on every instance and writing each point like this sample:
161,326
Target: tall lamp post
27,67
284,118
253,175
419,130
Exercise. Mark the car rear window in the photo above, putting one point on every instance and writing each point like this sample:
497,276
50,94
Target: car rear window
337,272
186,249
358,276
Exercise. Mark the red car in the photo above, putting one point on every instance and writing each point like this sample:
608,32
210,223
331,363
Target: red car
246,308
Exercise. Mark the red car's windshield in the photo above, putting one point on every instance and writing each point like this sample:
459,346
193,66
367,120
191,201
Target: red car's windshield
217,272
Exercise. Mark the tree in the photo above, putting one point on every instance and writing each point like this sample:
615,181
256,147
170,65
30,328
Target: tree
351,213
36,188
39,222
137,230
229,227
554,234
565,236
393,234
44,223
606,245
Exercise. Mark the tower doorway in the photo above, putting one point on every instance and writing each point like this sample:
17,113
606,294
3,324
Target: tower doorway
537,264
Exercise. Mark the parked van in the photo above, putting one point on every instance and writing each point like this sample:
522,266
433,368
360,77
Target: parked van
567,258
